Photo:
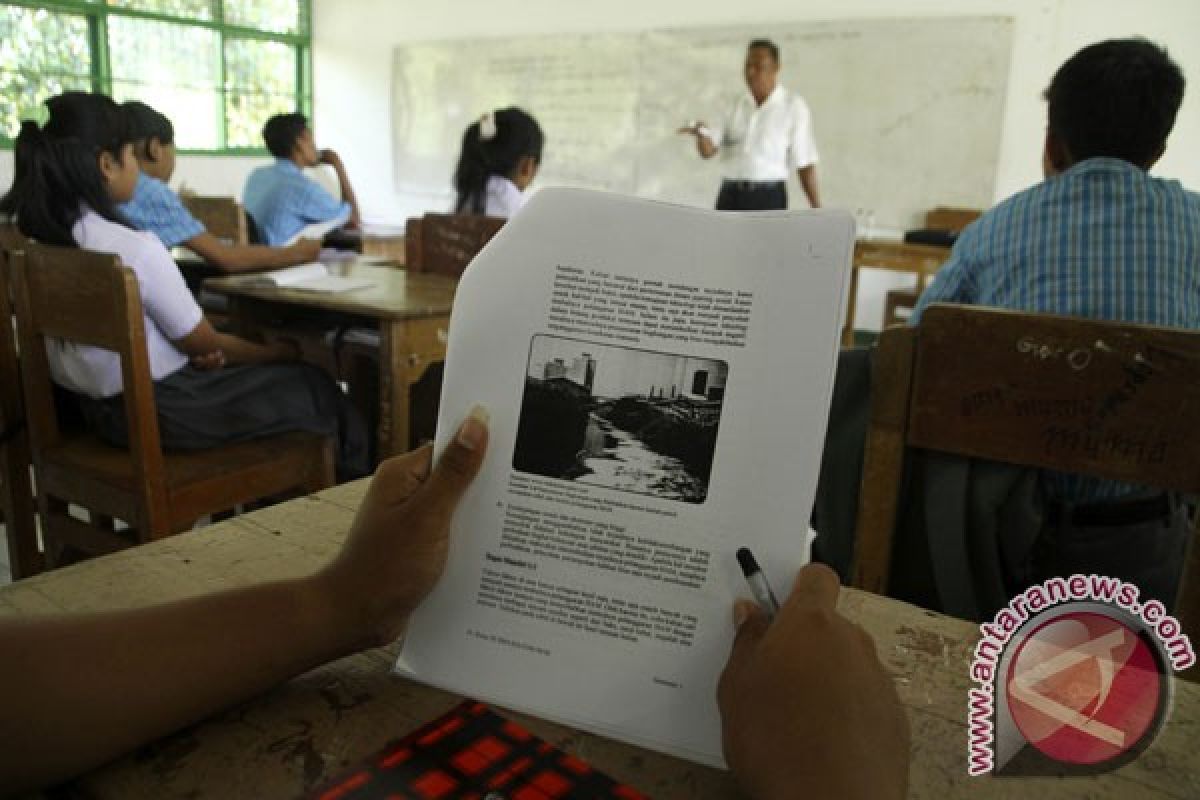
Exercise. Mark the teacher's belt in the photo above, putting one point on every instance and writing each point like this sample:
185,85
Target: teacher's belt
751,186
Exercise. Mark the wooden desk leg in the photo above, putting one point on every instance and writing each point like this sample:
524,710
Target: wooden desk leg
241,318
848,328
407,347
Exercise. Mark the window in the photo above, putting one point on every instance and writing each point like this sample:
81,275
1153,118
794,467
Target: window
217,68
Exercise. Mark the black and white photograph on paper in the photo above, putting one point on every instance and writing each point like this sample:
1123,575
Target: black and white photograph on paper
635,420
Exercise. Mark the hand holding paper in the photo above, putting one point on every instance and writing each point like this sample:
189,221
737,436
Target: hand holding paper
397,548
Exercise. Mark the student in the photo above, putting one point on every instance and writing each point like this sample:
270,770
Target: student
157,209
281,200
807,708
70,177
500,156
1099,237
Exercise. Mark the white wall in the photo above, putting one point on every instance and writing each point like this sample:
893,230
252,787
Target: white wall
353,67
353,60
353,42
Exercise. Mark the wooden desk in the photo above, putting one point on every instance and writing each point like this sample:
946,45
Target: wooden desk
921,260
330,719
411,312
386,241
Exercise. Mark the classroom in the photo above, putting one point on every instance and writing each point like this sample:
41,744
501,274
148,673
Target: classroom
536,399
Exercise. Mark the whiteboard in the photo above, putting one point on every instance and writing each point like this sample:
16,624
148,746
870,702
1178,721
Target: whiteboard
907,113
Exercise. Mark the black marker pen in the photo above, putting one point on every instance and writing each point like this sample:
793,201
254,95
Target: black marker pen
758,582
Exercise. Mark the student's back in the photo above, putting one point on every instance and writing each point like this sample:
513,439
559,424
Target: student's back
1099,237
281,199
170,311
156,208
500,156
1104,239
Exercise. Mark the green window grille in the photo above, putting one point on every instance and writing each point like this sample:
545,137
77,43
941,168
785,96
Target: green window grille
217,68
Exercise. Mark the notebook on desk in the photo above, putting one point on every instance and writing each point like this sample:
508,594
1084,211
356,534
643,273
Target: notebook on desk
313,277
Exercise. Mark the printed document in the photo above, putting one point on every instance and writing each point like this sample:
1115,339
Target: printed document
658,379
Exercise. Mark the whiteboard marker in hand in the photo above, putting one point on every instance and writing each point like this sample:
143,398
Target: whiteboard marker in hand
758,582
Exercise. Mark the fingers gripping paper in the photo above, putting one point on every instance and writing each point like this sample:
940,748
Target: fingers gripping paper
658,379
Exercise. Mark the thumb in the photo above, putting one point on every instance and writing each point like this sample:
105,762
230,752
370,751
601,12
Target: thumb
457,466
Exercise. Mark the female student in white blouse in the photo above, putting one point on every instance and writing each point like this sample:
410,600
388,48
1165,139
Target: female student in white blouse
499,159
210,387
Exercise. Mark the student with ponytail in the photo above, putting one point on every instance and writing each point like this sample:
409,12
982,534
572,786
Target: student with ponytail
500,156
69,178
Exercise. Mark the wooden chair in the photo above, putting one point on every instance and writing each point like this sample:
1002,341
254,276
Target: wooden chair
944,218
89,298
1113,400
446,243
16,491
223,217
897,301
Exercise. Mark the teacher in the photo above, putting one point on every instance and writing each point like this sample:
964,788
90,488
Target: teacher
767,134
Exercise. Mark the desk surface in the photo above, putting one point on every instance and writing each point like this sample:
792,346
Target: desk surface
396,293
382,230
899,256
328,720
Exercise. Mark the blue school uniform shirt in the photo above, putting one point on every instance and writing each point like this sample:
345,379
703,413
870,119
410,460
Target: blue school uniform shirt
157,209
283,201
1104,240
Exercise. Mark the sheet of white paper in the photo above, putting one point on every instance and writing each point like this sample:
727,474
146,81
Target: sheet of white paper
318,230
333,284
658,379
312,277
288,276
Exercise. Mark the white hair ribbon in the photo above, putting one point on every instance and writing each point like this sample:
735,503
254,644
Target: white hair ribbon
487,126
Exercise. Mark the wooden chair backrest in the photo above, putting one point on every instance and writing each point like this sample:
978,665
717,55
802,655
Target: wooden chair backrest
16,495
1111,400
90,299
951,219
11,413
446,243
221,216
10,237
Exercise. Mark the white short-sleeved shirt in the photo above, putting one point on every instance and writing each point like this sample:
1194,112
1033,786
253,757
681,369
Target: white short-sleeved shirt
169,309
767,142
503,197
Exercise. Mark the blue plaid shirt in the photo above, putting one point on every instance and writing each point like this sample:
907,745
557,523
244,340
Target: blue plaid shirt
1104,240
157,209
283,201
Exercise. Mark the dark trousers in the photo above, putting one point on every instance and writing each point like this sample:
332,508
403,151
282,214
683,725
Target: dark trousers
752,196
200,409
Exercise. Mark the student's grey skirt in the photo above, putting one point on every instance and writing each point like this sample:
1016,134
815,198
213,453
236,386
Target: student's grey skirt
205,408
